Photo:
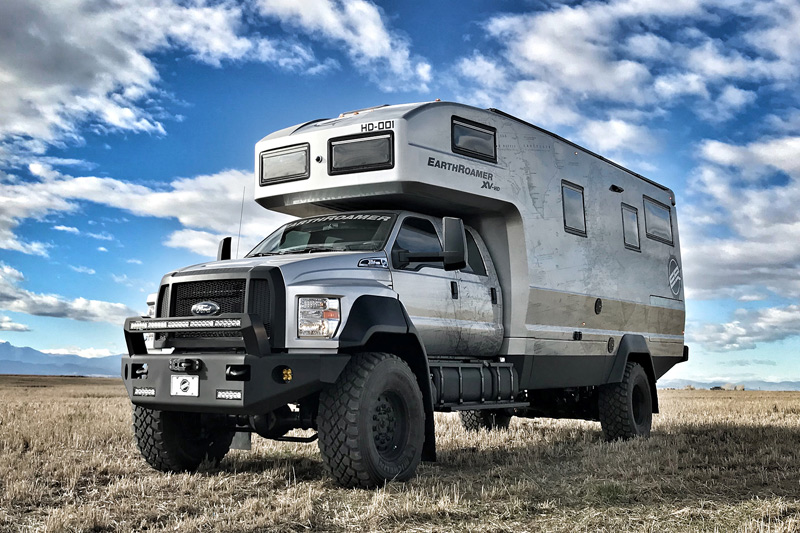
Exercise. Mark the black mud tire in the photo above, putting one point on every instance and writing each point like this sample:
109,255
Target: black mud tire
371,422
488,419
626,408
172,441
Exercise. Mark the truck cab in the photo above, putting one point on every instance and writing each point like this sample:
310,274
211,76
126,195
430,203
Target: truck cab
445,258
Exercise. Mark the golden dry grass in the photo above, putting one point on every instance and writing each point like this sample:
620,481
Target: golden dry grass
717,461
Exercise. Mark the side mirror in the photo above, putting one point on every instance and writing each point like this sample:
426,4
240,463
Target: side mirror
455,244
224,250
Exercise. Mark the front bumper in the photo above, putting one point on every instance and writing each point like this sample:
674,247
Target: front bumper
252,377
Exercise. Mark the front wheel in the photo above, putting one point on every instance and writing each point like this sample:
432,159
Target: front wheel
626,408
172,441
371,422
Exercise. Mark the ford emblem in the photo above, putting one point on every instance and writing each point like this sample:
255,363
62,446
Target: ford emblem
205,308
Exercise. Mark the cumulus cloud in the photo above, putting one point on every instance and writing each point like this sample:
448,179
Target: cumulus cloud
568,63
748,329
6,324
359,26
15,298
67,65
752,191
208,206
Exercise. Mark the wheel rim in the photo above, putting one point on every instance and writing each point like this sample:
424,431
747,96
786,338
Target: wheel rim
389,425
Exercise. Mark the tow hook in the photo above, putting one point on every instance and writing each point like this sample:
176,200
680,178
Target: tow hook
185,365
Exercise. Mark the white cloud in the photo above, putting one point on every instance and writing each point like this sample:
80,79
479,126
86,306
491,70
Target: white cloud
6,324
14,298
68,229
752,191
102,249
207,206
748,329
569,63
82,269
134,261
360,27
83,352
615,134
68,65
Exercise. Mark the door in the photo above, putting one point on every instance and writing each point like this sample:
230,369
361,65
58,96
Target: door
426,290
479,307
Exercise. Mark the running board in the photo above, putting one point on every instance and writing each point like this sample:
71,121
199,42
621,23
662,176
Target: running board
480,406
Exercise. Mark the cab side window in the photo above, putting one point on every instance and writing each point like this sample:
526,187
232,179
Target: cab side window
418,235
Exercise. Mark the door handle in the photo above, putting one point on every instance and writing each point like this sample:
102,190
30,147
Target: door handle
454,290
493,294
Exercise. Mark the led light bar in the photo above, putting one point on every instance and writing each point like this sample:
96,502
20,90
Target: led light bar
144,391
187,324
229,394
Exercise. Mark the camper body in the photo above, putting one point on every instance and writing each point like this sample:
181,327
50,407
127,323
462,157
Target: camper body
449,258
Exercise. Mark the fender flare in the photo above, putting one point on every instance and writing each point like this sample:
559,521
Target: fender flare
634,348
380,323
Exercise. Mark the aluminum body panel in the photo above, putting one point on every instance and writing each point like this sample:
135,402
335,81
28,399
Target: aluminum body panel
549,277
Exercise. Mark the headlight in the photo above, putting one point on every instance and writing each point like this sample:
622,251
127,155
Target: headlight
317,317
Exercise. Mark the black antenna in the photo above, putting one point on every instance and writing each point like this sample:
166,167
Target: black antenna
241,215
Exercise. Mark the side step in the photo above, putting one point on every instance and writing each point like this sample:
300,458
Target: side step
488,405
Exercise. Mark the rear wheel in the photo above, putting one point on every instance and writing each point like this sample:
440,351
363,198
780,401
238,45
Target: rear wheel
626,408
371,422
485,419
173,441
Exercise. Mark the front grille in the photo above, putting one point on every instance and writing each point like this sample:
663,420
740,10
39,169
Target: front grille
227,293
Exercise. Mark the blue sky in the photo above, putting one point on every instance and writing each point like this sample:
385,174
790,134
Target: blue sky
127,132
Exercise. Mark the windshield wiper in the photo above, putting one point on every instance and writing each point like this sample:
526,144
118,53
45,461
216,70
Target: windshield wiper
312,249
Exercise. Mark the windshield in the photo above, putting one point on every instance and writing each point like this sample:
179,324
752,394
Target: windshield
330,233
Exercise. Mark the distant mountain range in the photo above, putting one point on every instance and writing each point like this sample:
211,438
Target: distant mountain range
748,385
15,360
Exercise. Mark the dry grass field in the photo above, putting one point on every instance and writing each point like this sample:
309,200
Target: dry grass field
717,461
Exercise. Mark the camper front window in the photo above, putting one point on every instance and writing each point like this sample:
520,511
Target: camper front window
329,233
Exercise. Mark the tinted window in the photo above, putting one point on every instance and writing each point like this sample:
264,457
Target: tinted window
574,215
361,153
657,221
284,164
474,259
630,226
474,140
418,235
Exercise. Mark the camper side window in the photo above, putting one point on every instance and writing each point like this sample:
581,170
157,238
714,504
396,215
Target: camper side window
474,140
574,213
630,227
418,235
657,221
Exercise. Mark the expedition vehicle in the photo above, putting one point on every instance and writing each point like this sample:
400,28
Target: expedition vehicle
448,258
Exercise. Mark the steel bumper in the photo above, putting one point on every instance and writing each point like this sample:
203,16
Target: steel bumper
248,381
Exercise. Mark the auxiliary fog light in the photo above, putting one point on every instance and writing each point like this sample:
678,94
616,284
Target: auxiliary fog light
317,317
229,394
144,391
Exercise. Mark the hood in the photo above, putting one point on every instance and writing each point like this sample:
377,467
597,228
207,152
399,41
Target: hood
303,268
